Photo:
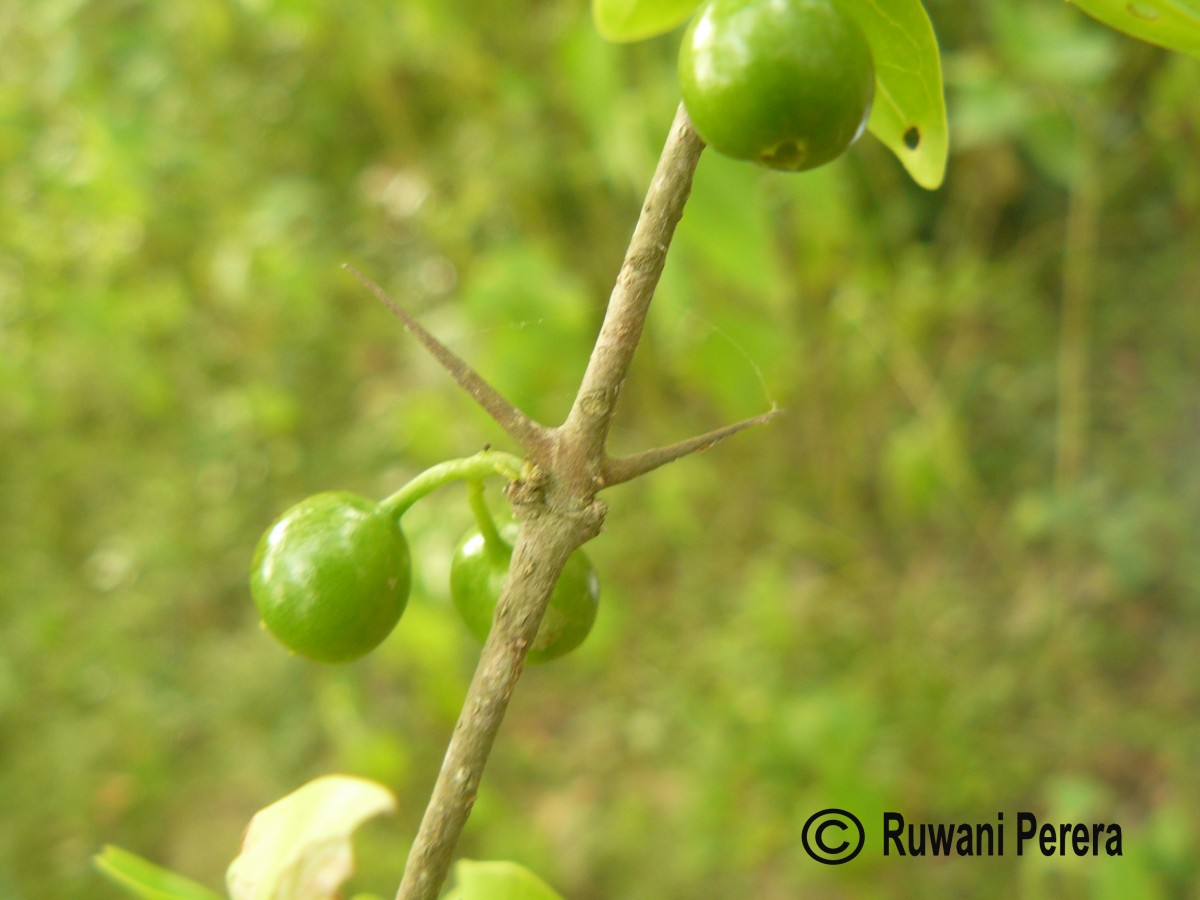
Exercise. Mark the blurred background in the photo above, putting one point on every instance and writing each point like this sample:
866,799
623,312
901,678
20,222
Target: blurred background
960,576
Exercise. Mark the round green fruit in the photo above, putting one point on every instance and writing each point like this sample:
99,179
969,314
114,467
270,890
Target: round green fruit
787,83
331,577
477,575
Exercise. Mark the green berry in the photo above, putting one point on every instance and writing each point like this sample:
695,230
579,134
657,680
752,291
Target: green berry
331,577
787,83
477,575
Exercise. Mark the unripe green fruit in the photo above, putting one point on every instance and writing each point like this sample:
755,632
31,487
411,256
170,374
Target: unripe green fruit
331,577
477,575
787,83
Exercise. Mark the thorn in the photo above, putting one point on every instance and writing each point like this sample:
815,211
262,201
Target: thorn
627,468
532,437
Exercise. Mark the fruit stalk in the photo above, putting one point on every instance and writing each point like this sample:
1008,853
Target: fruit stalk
483,518
471,469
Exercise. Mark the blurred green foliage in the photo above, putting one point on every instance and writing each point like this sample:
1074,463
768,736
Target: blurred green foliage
924,588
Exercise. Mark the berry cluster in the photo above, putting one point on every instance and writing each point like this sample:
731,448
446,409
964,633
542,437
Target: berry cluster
331,576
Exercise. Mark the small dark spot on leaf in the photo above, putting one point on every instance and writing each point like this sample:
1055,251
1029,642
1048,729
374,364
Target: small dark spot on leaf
912,137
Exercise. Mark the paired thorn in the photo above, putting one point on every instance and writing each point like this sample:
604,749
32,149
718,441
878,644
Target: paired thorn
535,439
530,436
626,468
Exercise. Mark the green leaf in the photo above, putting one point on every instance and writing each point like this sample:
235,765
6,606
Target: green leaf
498,881
1174,24
909,115
633,20
144,879
298,848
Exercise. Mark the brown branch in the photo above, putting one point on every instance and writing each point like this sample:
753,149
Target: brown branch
591,415
556,506
627,468
530,436
544,543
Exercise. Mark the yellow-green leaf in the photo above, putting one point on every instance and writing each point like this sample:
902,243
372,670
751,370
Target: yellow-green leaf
146,880
633,20
909,115
298,848
497,881
1174,24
